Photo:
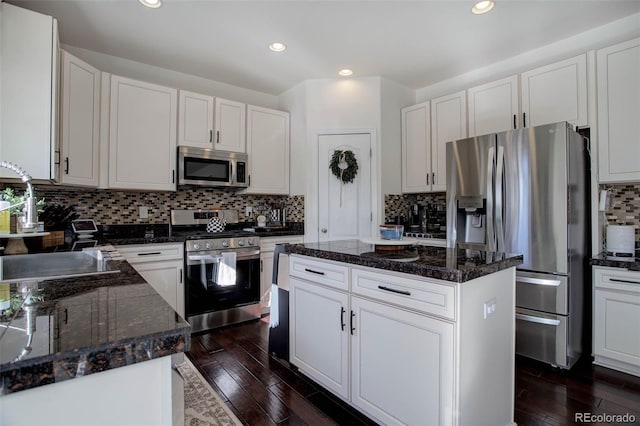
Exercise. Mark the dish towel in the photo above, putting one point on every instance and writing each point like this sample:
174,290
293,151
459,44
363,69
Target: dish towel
204,259
227,269
274,313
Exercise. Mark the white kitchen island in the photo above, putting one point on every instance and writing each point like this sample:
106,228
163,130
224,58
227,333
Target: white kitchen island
402,347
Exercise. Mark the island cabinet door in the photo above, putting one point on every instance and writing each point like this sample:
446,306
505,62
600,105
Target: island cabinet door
402,365
319,334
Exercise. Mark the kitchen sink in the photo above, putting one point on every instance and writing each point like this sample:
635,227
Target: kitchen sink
47,266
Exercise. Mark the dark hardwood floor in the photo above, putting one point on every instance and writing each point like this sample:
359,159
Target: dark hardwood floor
262,390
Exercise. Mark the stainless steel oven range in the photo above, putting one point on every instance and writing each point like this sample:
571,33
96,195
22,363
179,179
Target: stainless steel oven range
222,284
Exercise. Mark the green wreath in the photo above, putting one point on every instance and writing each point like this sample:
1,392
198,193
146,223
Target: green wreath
344,165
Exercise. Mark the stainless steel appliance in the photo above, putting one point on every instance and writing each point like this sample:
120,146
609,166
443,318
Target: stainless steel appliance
525,191
212,168
222,284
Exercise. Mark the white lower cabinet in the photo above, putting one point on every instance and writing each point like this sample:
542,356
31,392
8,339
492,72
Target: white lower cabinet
395,384
403,349
616,336
161,265
320,348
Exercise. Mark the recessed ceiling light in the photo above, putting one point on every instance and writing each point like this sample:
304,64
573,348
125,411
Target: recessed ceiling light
276,46
154,4
482,7
345,72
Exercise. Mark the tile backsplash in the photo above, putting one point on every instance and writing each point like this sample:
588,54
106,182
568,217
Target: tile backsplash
399,205
107,206
624,206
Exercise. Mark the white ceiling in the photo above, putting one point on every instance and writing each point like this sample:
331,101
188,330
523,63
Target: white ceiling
415,43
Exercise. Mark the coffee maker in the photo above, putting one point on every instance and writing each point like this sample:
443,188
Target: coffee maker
415,218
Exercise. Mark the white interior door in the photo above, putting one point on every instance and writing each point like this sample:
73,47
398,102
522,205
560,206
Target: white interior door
344,211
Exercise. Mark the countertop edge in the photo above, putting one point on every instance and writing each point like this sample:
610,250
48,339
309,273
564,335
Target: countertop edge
68,364
421,270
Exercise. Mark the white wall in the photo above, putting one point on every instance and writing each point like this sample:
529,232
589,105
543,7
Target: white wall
327,104
294,100
393,97
165,77
617,31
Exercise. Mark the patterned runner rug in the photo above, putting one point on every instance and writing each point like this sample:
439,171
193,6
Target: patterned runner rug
202,405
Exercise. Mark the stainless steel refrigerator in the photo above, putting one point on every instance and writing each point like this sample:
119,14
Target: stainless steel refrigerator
525,191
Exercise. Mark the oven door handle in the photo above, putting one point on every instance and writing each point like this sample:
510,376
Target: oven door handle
249,254
196,259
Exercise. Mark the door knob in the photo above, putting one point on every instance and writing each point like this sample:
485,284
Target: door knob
324,230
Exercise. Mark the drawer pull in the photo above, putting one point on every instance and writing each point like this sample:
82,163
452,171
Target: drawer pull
313,272
538,281
538,320
150,253
618,280
393,290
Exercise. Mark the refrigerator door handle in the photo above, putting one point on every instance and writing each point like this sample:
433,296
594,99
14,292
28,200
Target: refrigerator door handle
499,204
491,235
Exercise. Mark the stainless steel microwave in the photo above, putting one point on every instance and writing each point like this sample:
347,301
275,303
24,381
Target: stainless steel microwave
212,168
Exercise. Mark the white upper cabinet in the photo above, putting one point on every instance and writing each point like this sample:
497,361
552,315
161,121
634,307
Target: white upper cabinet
416,148
556,92
229,125
619,112
268,150
195,120
448,123
28,78
80,122
493,107
142,135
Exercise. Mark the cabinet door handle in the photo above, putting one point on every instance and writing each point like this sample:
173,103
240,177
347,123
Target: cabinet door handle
524,119
515,125
66,165
180,276
218,136
427,178
149,253
173,176
261,269
210,135
353,314
433,178
66,316
342,324
393,290
618,280
313,272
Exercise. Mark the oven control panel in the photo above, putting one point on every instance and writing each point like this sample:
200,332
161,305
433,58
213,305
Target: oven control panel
222,243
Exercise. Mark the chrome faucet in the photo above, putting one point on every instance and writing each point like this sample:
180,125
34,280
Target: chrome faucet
29,220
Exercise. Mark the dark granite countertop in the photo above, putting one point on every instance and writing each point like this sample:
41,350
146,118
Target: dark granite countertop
161,233
434,262
79,326
632,263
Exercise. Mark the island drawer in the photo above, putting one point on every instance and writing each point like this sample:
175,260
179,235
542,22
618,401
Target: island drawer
424,296
330,274
616,279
